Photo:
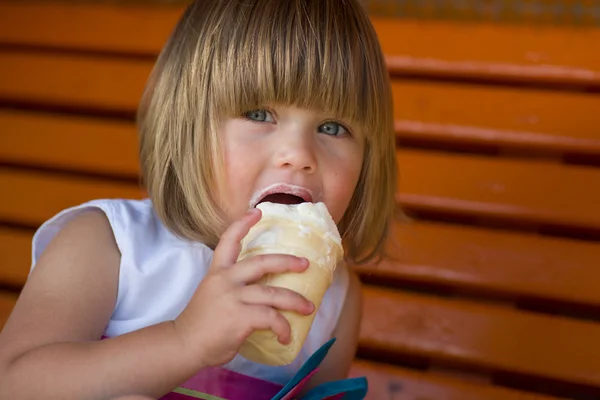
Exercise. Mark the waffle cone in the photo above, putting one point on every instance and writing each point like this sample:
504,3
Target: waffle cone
279,235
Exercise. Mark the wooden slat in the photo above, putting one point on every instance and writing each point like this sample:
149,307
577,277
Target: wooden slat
7,303
554,121
476,259
492,262
69,142
481,336
31,198
15,256
531,119
395,383
135,28
491,51
546,54
533,191
558,121
104,83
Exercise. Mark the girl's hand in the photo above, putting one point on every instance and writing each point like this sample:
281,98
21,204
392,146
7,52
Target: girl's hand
227,306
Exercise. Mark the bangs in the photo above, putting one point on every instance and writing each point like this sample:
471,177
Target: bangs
314,54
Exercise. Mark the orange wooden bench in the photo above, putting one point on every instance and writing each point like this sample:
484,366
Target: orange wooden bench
491,290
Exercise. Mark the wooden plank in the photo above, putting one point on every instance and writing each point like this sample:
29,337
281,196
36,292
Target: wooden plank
486,261
15,256
539,53
557,121
103,83
134,28
69,142
544,54
553,121
515,118
481,336
496,263
532,191
7,303
493,262
396,383
30,198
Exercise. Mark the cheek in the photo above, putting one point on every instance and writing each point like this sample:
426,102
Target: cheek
343,184
238,174
352,166
235,153
347,175
232,164
238,163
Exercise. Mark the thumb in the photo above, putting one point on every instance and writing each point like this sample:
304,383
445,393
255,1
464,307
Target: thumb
228,249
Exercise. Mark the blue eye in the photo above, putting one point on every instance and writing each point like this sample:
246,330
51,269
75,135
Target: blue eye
259,116
333,129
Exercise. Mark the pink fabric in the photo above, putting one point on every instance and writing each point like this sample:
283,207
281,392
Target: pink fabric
231,385
177,396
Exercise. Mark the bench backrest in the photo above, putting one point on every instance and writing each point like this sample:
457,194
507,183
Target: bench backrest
495,278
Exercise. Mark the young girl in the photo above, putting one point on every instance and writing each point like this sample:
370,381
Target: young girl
250,100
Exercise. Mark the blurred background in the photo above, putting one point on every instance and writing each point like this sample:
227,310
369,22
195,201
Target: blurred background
492,287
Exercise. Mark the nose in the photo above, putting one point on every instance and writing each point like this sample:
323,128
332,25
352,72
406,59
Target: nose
296,150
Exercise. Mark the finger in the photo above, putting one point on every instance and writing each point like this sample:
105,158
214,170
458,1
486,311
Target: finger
276,297
254,268
228,249
263,318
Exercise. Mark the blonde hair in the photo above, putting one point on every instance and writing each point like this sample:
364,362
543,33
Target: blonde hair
226,57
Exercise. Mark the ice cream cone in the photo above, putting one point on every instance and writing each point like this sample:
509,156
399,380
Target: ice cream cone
304,230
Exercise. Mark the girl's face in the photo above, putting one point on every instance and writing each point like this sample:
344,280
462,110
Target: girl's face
290,155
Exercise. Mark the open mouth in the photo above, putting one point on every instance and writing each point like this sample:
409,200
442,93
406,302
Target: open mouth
282,194
282,198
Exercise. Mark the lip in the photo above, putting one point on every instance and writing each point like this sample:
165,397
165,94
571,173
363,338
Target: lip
295,190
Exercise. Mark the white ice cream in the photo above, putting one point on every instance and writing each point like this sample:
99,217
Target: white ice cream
306,214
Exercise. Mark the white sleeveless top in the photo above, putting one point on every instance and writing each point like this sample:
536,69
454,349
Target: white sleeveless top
159,273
